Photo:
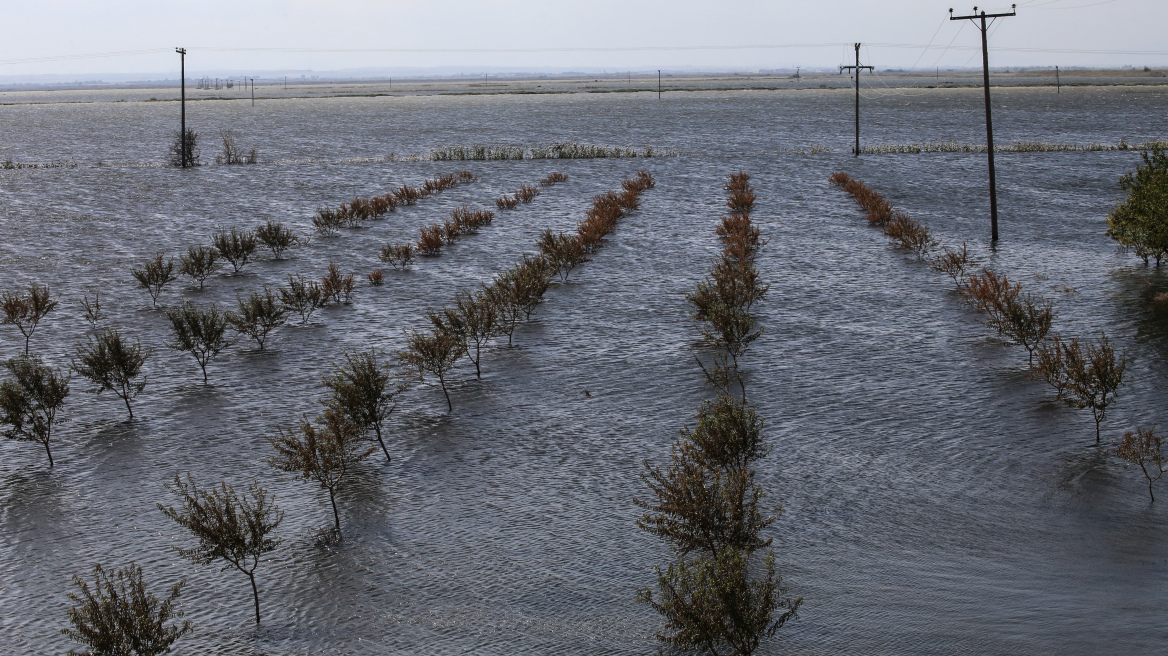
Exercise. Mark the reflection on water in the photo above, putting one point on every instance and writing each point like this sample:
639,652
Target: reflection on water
936,501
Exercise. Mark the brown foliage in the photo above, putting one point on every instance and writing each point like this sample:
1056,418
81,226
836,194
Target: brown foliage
952,263
399,256
506,202
1083,375
25,310
376,277
527,193
431,240
336,286
1143,448
553,178
910,235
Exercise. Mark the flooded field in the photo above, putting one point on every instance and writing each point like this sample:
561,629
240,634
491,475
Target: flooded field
935,500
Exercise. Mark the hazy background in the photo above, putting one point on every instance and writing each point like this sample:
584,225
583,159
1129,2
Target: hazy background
53,38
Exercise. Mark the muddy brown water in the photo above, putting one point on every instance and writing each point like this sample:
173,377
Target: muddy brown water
935,501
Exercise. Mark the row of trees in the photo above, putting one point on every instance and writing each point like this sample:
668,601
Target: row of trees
716,596
328,221
1084,373
118,615
495,309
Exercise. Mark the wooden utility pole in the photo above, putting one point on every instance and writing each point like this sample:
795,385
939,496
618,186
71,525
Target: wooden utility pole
659,84
185,147
253,92
858,68
985,67
1058,84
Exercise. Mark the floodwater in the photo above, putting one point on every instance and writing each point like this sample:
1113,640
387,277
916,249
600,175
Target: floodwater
935,501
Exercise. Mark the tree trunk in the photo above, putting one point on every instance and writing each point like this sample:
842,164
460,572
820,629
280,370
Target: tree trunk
377,428
126,398
336,515
449,405
255,595
50,454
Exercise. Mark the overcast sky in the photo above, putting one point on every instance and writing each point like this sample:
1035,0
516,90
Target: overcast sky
810,33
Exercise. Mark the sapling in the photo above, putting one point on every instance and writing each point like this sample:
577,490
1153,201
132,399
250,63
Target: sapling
507,312
199,263
230,526
399,256
30,401
1084,375
327,221
118,616
324,452
335,285
277,237
258,316
363,390
436,353
154,275
25,310
566,252
235,246
474,318
188,156
376,277
113,363
1027,321
303,296
93,313
198,331
952,263
1143,448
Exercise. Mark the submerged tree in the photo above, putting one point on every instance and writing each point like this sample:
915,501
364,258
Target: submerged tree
474,319
199,263
1084,375
230,526
113,363
363,391
198,331
184,150
302,295
277,237
1140,221
25,310
29,402
436,353
235,246
324,452
118,616
154,275
1143,449
259,315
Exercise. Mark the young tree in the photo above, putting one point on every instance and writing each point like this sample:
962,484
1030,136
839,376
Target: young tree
335,285
1084,376
507,312
199,263
229,526
1140,222
436,353
259,315
363,391
235,246
93,313
399,256
1026,321
198,331
29,402
188,156
113,363
154,275
953,263
118,616
712,605
474,319
1143,448
565,251
324,452
277,237
302,295
25,311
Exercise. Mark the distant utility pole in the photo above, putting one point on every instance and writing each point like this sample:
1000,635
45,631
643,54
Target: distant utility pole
659,84
1058,85
858,68
185,148
985,68
253,92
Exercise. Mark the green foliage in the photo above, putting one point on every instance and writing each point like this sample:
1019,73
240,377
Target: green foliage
258,316
324,452
235,246
277,237
199,263
118,616
363,391
25,311
198,331
30,400
154,275
113,363
1140,221
230,526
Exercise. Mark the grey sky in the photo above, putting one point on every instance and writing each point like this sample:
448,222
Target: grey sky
49,28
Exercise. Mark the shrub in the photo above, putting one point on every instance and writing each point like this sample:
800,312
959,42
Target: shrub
1084,376
399,256
506,202
303,296
119,616
232,154
566,252
952,263
507,312
25,311
336,286
380,205
324,452
435,353
474,320
527,283
553,178
527,193
1143,449
910,235
235,246
1140,222
327,222
229,526
93,313
407,195
188,156
466,176
1027,321
432,239
199,263
30,401
198,331
376,277
113,363
363,391
277,237
258,316
154,275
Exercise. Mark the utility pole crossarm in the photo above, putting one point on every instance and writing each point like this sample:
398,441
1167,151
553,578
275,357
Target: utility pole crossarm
857,68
